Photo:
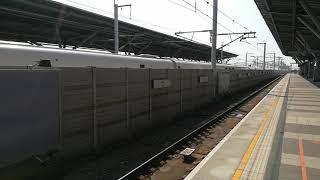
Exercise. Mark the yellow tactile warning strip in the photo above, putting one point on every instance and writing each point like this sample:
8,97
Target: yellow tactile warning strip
246,157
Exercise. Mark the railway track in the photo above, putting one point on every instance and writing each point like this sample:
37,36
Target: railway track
197,139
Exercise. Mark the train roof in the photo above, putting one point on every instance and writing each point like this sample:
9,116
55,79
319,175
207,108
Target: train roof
37,53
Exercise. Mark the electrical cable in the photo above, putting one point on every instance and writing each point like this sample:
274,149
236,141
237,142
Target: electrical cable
232,19
206,15
122,16
189,10
209,17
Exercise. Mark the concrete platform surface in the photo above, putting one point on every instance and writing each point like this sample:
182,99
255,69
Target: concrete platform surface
278,139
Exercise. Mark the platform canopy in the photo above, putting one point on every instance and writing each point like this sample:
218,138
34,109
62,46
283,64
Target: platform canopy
295,25
46,21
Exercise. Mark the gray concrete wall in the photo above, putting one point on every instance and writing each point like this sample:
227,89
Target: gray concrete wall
94,107
77,114
29,114
101,106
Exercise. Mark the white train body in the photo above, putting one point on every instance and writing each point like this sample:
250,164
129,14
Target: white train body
114,103
25,55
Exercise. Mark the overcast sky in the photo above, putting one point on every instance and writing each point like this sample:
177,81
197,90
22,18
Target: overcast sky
170,16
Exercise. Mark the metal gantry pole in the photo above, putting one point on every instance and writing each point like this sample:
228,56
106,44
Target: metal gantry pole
214,35
246,59
221,54
264,56
249,57
274,61
116,29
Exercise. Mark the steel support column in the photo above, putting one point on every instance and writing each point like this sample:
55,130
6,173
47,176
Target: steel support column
310,70
305,68
316,70
116,30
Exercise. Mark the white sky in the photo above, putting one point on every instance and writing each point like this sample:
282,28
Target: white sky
170,16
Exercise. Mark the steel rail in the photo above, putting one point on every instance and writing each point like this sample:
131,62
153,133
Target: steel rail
133,174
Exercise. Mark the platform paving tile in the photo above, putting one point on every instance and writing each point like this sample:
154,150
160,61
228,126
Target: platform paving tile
303,129
312,100
291,172
301,121
309,137
224,160
290,167
313,174
310,148
311,121
294,159
244,133
290,146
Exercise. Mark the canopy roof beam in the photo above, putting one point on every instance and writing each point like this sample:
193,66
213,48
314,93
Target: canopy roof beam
266,2
294,17
310,27
310,13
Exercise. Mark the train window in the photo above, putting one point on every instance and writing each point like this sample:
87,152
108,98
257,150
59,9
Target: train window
142,66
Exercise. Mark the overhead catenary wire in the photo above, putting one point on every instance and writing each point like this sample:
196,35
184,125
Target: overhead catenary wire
189,10
88,27
139,20
200,15
209,17
227,16
198,10
148,23
190,7
122,16
234,21
241,25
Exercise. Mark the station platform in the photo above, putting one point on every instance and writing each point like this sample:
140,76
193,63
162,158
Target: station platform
278,139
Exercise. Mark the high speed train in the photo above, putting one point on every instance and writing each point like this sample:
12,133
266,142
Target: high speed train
26,55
